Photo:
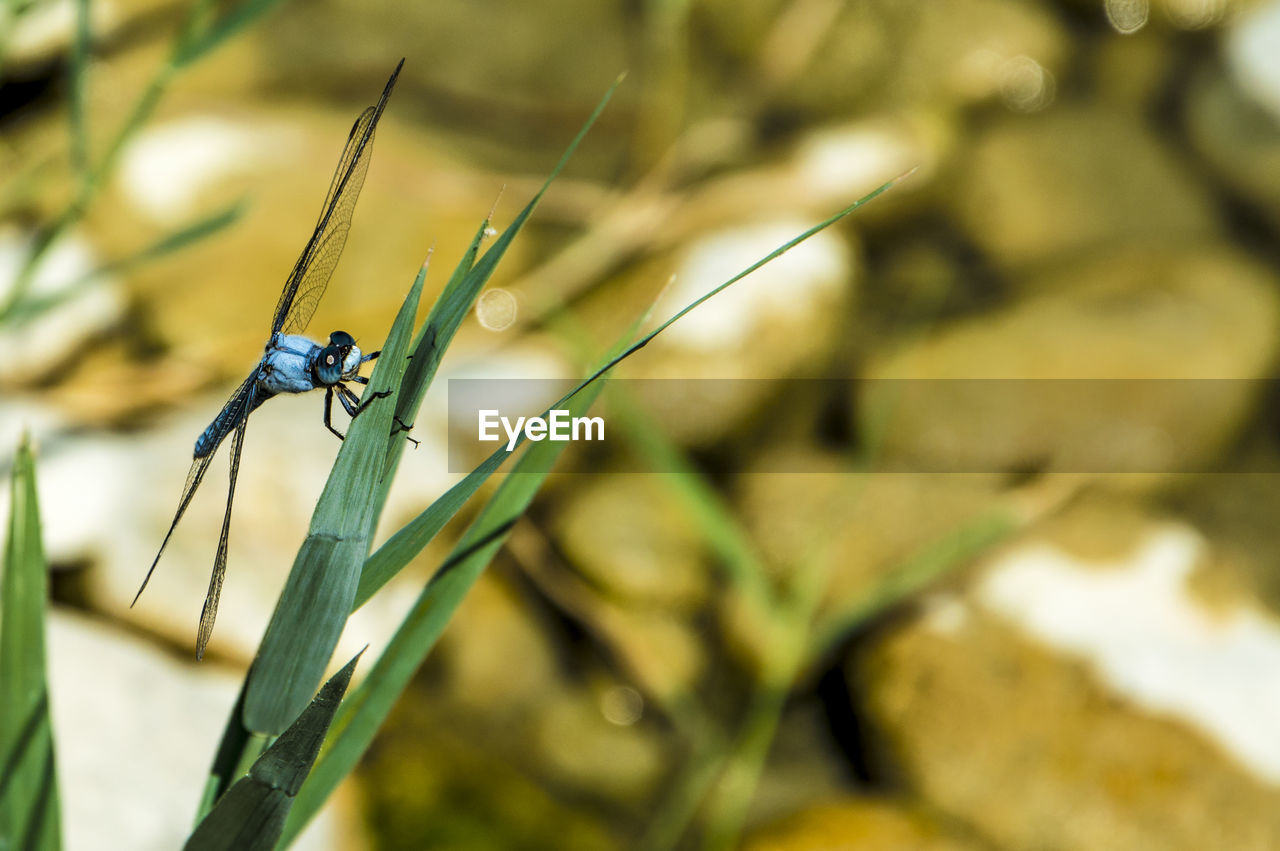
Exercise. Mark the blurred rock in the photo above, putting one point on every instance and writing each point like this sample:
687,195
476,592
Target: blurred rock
135,732
579,747
1075,178
639,583
884,52
780,321
1238,138
1083,695
500,744
40,33
859,530
476,651
1250,54
631,537
1235,507
1121,325
65,306
855,823
806,766
521,79
826,170
557,725
1133,70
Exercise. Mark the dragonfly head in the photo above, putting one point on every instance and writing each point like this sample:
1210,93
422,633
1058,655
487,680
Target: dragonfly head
339,360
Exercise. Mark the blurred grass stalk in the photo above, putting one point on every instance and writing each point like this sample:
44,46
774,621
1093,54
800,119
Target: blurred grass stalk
29,805
202,30
724,766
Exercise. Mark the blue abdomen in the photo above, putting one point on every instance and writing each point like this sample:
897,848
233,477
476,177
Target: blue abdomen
242,403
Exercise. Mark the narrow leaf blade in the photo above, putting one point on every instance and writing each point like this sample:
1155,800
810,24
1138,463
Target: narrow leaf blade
372,700
29,806
321,587
252,813
460,293
197,44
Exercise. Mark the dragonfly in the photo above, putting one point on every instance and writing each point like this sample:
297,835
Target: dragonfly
291,362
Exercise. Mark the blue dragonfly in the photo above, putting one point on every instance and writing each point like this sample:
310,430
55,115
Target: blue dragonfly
292,363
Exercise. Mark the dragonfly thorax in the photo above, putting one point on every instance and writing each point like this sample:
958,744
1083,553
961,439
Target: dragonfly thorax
338,361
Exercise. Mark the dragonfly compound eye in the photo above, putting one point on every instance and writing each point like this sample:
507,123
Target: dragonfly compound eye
329,365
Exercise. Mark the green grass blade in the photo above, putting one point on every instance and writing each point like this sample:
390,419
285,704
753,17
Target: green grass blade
29,806
455,301
200,40
370,702
181,238
321,587
716,520
921,569
428,348
410,539
464,287
252,813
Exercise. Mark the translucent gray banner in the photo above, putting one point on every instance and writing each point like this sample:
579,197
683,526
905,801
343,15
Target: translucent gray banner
1095,426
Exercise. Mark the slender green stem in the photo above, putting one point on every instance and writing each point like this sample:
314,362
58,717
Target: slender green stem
687,791
79,92
253,748
74,212
785,659
745,765
187,44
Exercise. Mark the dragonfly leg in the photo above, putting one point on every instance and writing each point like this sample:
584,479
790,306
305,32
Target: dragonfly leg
354,405
349,399
359,379
401,426
328,411
371,356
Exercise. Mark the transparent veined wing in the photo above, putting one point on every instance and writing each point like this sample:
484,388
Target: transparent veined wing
306,283
236,410
210,610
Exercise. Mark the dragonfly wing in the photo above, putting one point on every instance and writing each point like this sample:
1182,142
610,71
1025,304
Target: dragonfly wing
310,275
327,253
236,408
194,475
210,610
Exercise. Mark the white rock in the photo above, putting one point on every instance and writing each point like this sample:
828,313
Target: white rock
169,167
1145,634
135,732
1253,54
52,335
787,289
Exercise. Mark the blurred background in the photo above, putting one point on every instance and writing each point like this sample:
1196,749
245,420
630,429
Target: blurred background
762,645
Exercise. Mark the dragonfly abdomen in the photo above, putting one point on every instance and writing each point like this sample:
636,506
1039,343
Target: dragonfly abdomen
252,394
